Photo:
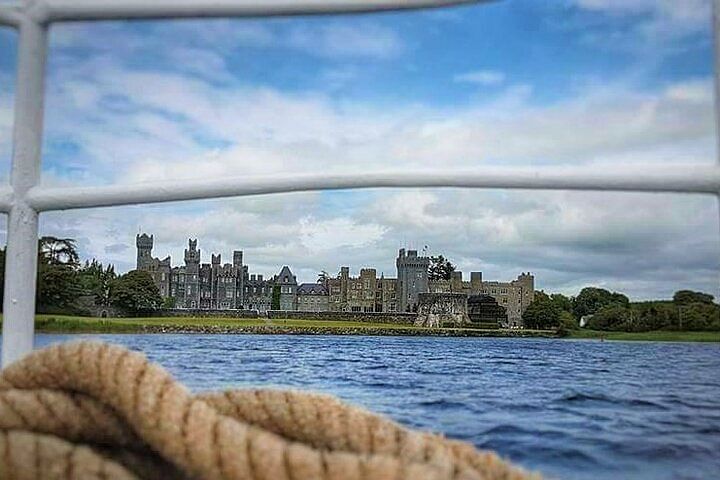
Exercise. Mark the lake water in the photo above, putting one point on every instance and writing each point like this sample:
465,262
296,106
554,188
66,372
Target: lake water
569,409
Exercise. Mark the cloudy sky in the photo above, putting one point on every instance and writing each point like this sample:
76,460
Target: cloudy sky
519,82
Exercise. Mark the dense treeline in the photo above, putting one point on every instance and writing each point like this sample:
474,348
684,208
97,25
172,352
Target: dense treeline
601,309
64,285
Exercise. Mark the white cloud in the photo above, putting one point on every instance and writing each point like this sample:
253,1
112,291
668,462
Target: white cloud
198,45
337,233
481,77
659,26
683,11
133,125
342,41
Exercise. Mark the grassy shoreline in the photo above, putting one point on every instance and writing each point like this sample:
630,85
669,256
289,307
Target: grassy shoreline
655,336
73,324
214,325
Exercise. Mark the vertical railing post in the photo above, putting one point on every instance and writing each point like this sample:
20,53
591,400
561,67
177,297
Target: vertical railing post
22,240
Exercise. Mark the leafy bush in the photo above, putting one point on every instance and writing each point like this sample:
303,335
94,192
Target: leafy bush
135,292
542,313
591,300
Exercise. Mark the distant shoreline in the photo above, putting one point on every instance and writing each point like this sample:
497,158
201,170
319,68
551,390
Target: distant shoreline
654,336
61,324
225,326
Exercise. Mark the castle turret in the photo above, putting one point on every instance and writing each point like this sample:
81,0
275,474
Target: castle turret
527,282
144,245
192,275
237,259
475,283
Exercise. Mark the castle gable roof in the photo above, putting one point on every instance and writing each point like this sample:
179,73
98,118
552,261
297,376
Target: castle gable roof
286,276
311,289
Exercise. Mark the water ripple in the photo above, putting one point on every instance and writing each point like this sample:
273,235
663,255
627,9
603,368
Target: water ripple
570,409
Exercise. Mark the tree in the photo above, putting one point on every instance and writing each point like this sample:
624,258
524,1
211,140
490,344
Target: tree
95,280
275,301
58,251
57,281
57,288
135,292
591,300
542,313
562,302
440,268
687,297
612,317
568,321
323,277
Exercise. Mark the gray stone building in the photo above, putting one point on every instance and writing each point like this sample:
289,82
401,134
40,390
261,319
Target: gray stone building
412,279
288,288
515,296
197,285
160,270
312,297
257,293
364,293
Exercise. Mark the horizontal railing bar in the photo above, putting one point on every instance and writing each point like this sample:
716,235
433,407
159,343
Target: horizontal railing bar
648,178
10,15
73,10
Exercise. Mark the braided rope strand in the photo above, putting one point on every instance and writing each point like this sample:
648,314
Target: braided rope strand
88,408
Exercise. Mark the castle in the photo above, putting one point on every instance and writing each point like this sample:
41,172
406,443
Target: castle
217,286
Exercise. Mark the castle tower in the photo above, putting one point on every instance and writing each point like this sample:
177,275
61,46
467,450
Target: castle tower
192,275
475,283
527,282
144,244
412,274
240,274
238,259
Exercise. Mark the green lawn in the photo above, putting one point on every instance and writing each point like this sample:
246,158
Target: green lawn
657,336
71,324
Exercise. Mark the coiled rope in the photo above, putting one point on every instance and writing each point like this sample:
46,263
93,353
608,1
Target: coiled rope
90,410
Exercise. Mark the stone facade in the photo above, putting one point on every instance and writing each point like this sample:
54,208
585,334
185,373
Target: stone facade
312,297
442,310
213,286
514,296
218,286
412,279
257,294
364,293
288,288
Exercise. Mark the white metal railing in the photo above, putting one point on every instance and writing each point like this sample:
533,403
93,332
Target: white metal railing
24,198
